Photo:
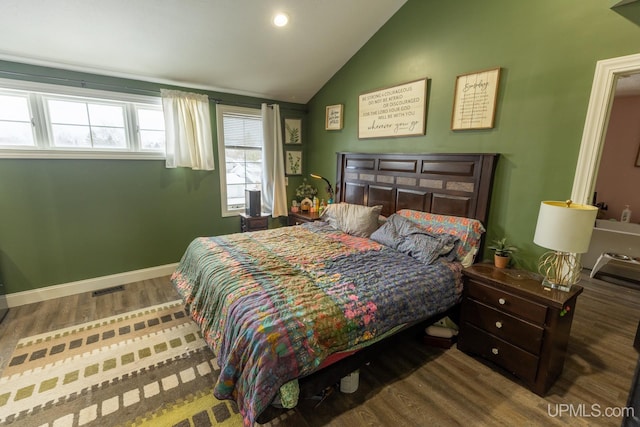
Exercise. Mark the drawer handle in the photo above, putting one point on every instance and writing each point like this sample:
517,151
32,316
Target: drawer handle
498,324
494,350
502,301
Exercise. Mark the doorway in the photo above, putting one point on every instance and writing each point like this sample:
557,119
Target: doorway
602,92
607,75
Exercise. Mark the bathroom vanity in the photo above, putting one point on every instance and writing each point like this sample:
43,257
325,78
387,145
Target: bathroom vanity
614,249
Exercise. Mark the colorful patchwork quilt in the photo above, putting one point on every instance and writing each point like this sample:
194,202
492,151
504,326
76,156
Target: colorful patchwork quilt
274,304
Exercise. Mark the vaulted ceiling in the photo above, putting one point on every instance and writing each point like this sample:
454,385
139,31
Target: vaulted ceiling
222,45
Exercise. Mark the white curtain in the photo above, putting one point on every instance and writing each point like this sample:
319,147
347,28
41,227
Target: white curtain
274,192
188,130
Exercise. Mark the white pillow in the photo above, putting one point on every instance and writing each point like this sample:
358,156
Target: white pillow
357,220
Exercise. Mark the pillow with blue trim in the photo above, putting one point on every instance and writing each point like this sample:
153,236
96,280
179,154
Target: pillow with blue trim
468,230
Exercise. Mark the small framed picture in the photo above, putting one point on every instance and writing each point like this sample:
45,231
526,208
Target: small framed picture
293,131
333,118
293,162
638,158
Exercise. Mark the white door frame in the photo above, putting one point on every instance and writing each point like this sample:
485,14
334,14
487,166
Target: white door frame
595,127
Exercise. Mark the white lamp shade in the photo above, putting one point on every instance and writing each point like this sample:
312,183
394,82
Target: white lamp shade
565,228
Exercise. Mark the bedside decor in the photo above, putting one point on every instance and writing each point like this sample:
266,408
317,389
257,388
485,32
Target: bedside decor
565,228
293,131
475,99
329,188
394,111
305,190
305,204
502,252
333,118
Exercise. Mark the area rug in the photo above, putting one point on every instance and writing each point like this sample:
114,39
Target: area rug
148,367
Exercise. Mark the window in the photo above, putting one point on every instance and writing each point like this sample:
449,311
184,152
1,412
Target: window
40,120
15,121
77,123
150,128
240,151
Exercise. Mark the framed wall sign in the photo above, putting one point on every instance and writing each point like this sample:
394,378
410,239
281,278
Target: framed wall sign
333,118
293,163
474,100
394,111
293,131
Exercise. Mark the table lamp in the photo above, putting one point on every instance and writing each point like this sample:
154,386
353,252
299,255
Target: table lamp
565,228
329,187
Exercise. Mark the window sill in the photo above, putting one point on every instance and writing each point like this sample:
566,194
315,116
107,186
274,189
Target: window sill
70,154
226,214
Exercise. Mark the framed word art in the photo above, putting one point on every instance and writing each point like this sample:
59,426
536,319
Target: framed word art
394,111
474,101
333,119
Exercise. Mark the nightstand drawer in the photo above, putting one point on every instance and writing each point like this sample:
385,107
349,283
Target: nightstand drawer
507,302
297,218
258,223
253,223
505,326
522,364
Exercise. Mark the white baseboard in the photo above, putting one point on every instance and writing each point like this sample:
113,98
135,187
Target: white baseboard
87,285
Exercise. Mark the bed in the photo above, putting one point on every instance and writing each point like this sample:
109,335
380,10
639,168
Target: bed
289,310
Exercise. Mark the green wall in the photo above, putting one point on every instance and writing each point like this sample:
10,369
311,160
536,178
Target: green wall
68,220
547,49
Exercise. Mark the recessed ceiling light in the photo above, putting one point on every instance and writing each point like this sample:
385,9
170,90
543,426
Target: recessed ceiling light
280,19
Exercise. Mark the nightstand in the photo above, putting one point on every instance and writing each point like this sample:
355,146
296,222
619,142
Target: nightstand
253,223
509,319
301,217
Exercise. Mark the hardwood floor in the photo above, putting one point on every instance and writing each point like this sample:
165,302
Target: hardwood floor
410,384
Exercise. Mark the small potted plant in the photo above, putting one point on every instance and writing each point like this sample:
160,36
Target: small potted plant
502,252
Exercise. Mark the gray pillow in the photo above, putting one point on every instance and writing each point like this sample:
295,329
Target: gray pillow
357,220
387,234
403,235
423,247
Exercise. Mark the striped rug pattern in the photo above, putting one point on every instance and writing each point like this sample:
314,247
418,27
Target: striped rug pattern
148,367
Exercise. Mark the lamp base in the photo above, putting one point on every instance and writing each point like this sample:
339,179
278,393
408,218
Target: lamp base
560,270
548,284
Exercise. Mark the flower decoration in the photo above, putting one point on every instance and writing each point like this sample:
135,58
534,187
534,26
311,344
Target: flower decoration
305,190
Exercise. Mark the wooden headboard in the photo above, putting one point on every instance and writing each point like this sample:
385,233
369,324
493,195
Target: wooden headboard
448,184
